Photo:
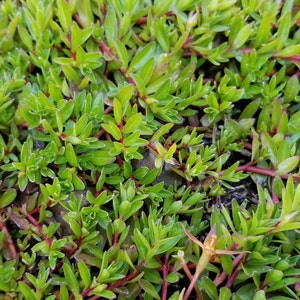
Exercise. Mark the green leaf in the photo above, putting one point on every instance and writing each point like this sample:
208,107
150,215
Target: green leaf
172,278
85,12
122,53
246,292
286,203
26,291
133,138
225,293
75,227
164,245
4,286
263,31
64,14
289,51
260,295
84,273
147,69
227,265
23,181
73,140
161,7
7,197
273,276
140,84
5,104
75,36
25,37
107,294
292,89
283,29
63,293
287,165
276,116
124,209
110,25
135,206
142,57
114,179
270,147
242,37
100,158
71,155
68,70
141,243
163,91
161,131
118,111
149,288
71,279
162,35
101,180
25,152
132,123
210,288
113,130
125,94
296,202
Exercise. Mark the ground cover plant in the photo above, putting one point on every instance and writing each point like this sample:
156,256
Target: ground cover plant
149,149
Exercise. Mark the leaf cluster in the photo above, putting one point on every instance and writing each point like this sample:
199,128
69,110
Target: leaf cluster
119,120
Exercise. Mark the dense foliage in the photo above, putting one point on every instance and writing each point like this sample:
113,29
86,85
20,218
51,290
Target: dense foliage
130,127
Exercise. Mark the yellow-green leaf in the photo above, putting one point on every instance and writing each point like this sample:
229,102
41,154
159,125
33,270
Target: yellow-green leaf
287,165
132,123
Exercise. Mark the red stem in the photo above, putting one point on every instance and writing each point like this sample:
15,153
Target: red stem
78,20
105,48
248,145
267,172
70,253
221,277
36,224
86,292
233,276
115,239
9,241
142,20
108,110
122,281
165,271
100,133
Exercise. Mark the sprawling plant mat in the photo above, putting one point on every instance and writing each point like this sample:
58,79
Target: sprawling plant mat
149,149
